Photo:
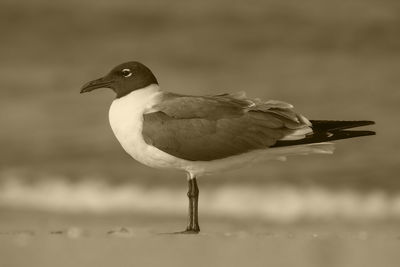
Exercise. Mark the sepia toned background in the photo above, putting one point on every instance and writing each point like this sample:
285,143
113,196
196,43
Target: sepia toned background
61,167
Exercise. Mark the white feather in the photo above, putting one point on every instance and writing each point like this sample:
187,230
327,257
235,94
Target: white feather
298,134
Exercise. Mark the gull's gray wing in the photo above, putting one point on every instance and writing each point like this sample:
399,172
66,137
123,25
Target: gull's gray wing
204,128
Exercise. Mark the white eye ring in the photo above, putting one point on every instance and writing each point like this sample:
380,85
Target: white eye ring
126,73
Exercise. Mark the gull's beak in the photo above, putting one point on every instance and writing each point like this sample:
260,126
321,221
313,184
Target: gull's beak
103,82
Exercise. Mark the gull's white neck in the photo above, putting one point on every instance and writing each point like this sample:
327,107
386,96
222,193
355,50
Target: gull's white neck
133,102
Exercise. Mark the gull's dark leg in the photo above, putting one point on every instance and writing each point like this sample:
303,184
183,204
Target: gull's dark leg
193,217
193,195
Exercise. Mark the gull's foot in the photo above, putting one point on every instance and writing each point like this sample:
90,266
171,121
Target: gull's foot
188,231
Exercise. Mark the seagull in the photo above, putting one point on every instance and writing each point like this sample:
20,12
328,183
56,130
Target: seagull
207,134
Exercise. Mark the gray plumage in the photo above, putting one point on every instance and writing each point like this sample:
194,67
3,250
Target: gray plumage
203,128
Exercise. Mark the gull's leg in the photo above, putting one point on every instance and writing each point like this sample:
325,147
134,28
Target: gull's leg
193,195
193,217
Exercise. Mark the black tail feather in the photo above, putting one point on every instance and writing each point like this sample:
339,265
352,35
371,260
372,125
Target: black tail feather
326,125
327,131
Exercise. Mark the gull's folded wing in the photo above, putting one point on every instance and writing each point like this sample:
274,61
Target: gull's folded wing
203,128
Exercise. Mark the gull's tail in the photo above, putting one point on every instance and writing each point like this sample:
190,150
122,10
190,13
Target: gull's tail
326,131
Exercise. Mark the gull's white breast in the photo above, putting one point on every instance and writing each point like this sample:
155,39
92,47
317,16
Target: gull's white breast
126,120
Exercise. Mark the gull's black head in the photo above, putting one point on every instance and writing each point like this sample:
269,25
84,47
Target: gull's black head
123,79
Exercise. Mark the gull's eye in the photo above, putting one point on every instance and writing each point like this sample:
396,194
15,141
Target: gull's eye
126,72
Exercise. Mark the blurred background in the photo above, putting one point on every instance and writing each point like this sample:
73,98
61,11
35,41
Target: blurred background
62,172
331,59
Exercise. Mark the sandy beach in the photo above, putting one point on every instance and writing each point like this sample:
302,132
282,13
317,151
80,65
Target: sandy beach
82,240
